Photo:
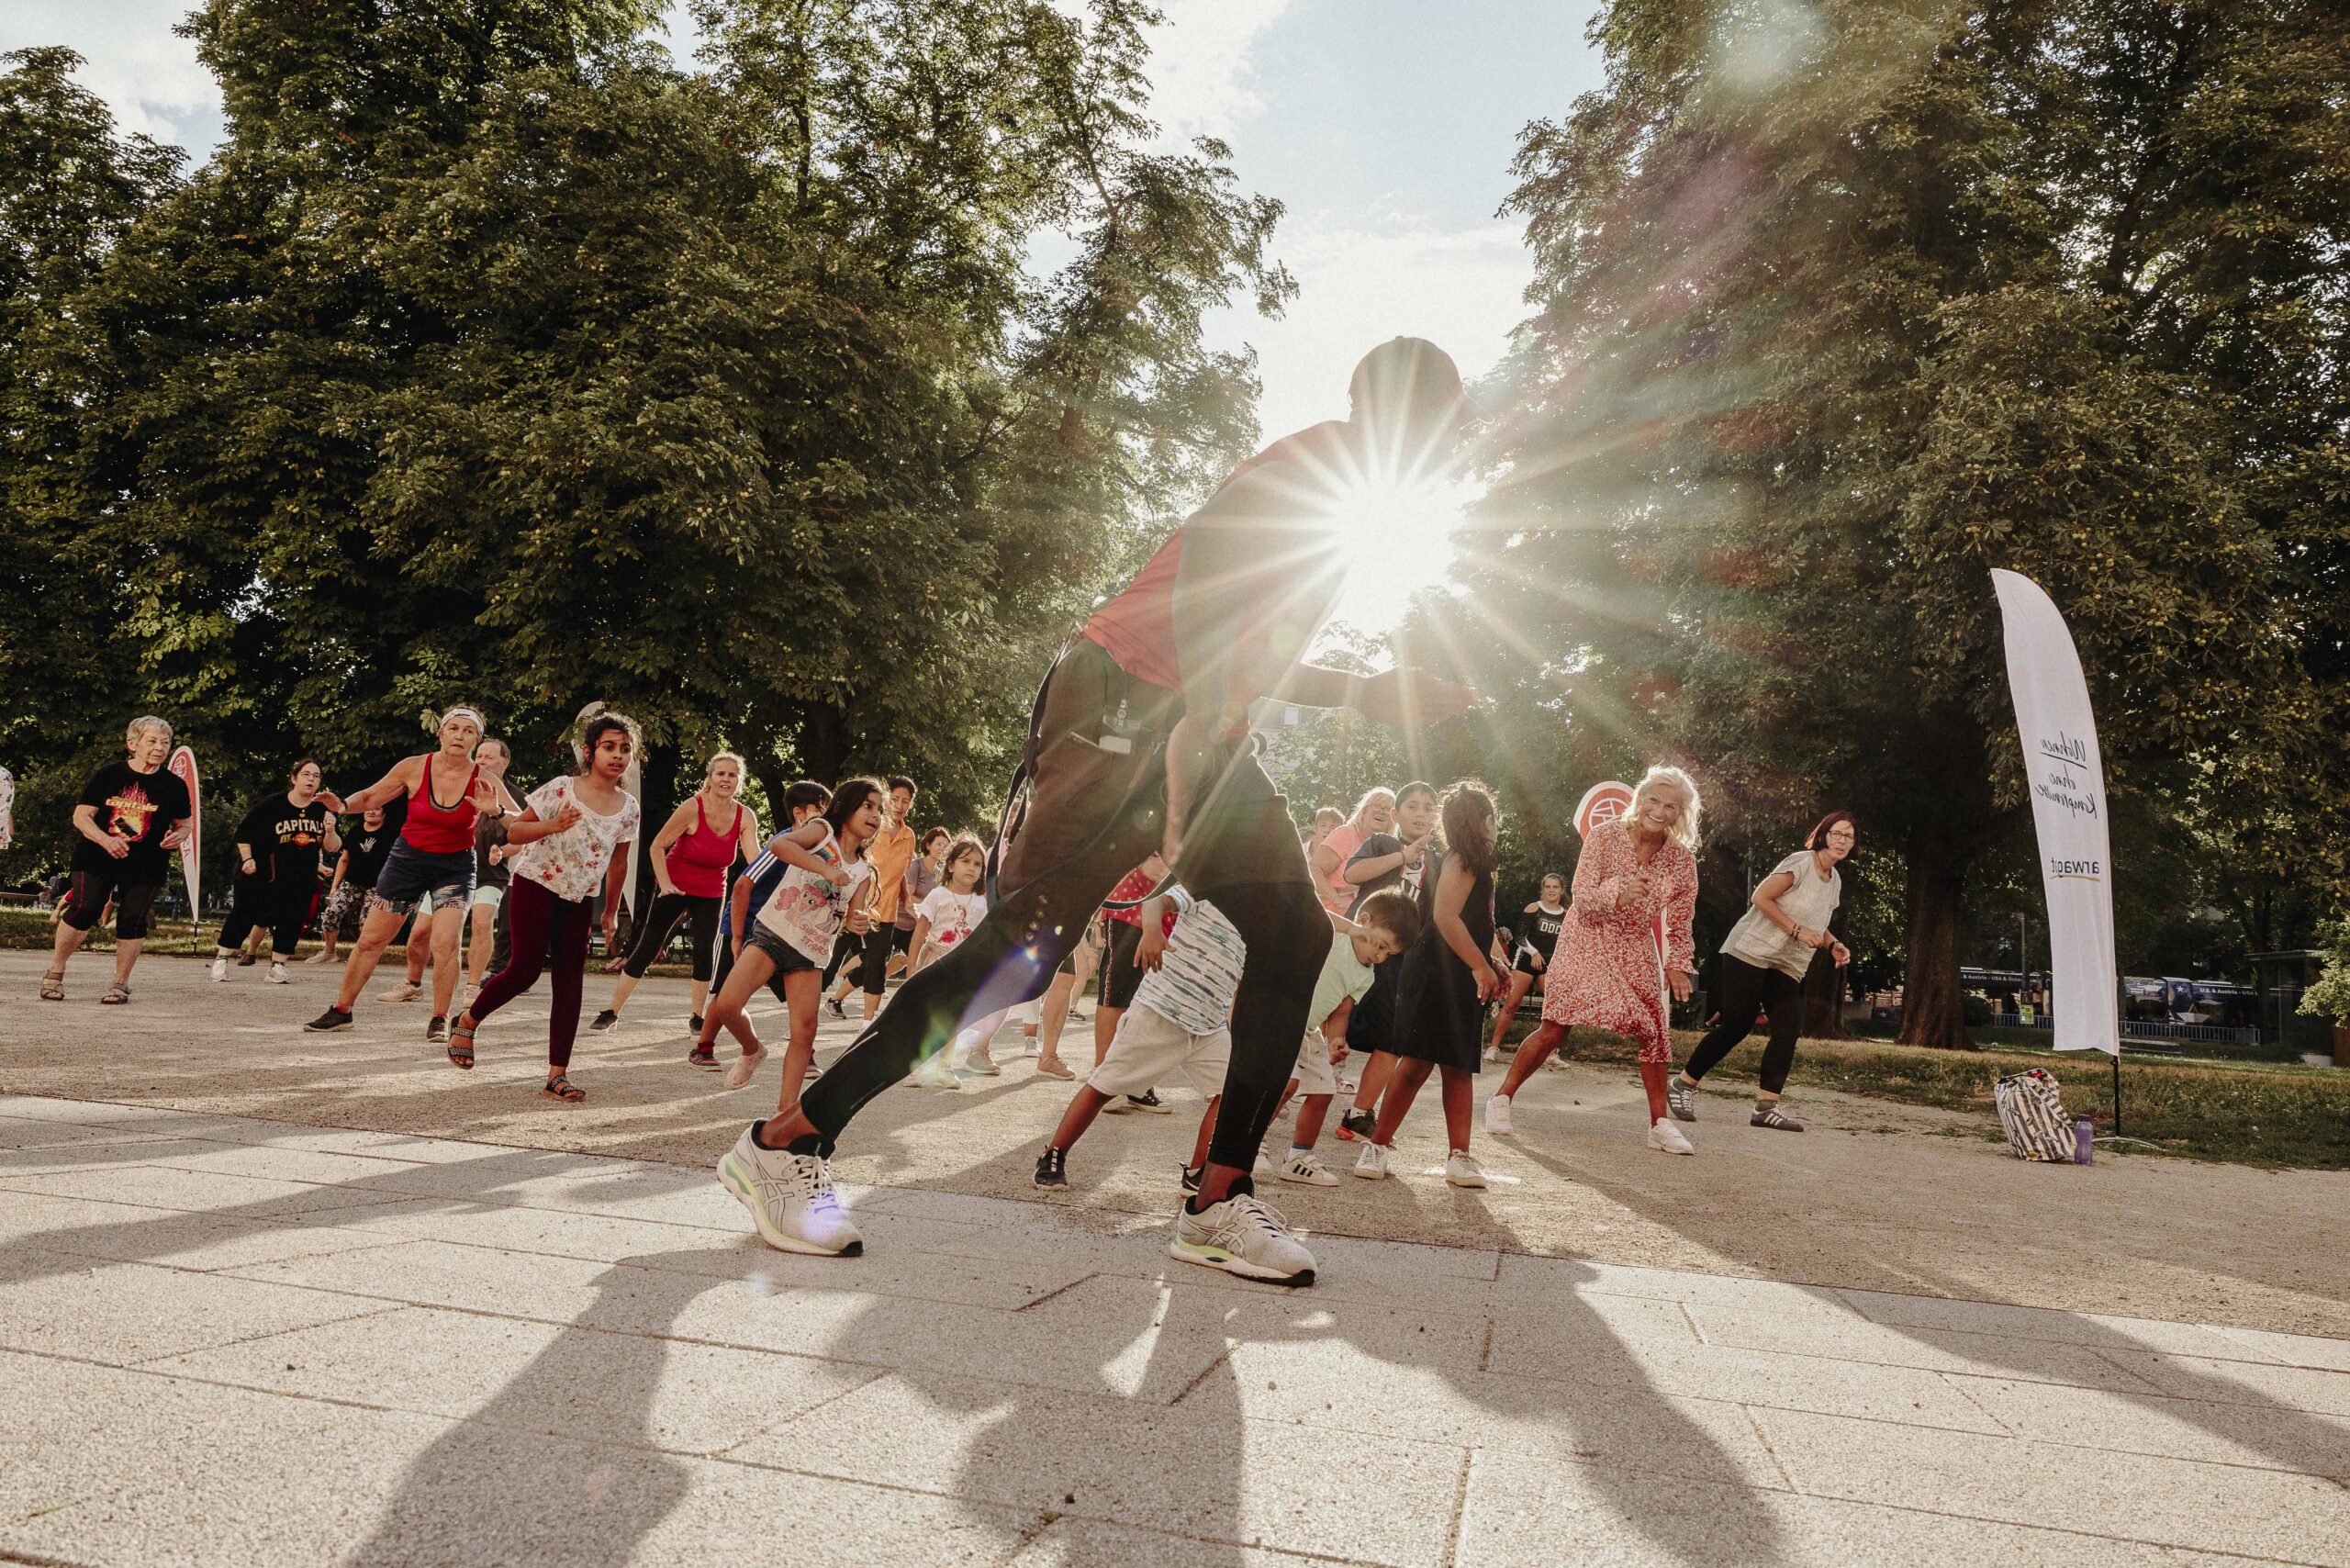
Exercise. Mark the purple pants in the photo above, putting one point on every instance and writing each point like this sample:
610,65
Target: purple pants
546,931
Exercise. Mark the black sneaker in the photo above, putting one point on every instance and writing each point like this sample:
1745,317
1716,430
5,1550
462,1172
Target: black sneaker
437,1032
247,961
327,1023
1191,1174
832,1006
1052,1167
1356,1123
603,1021
703,1058
693,1025
1772,1116
1148,1100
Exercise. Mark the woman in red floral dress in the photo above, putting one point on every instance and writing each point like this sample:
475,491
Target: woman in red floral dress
1605,972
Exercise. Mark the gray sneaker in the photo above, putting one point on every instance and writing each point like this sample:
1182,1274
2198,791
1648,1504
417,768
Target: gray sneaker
1676,1095
1772,1116
791,1199
1244,1236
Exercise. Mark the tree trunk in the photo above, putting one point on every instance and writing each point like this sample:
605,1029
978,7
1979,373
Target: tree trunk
1931,1012
1823,1000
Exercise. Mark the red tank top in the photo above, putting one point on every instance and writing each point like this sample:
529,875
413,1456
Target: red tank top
697,861
437,829
1136,626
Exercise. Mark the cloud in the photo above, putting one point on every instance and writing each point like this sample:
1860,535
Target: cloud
1204,80
1359,285
147,73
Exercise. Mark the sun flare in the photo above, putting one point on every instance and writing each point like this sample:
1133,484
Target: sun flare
1400,540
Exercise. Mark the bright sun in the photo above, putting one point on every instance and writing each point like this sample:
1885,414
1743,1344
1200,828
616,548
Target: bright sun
1400,540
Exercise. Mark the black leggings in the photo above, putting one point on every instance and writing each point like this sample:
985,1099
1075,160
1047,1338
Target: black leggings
660,923
132,904
280,905
1747,990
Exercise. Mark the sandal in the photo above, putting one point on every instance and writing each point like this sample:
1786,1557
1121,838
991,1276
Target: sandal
461,1044
53,986
559,1087
116,995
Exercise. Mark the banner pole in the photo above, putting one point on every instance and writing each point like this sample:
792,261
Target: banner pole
2117,1094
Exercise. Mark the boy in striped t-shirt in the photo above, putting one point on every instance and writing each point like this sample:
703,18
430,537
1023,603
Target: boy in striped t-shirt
1180,1022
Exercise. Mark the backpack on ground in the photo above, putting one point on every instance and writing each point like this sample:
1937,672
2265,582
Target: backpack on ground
2031,1111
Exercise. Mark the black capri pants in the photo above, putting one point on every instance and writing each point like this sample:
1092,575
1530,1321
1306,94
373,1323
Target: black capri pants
281,905
1747,990
660,923
85,900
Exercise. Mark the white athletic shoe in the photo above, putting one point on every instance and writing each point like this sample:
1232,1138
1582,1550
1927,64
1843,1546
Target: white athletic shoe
1462,1171
321,956
934,1073
1264,1163
1666,1139
219,968
791,1199
277,975
400,993
1371,1163
1497,1122
745,1067
1306,1169
1244,1236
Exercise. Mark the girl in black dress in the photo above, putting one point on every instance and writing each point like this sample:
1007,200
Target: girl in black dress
1449,976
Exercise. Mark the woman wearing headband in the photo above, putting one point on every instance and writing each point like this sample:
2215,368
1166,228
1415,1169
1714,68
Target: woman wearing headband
447,792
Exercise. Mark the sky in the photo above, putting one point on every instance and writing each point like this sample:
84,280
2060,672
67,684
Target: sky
1385,127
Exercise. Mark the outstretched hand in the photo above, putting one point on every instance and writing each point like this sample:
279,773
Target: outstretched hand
1412,697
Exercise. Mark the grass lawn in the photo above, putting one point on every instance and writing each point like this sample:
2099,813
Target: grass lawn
2268,1114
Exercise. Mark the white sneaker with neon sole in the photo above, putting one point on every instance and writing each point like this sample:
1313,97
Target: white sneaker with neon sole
1244,1236
791,1199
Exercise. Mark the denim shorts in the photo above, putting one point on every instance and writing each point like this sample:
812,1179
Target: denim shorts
410,874
789,959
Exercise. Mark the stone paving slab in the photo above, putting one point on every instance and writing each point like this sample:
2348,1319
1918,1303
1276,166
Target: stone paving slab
224,1339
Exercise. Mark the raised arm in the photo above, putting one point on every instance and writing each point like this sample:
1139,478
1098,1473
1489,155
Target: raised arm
400,780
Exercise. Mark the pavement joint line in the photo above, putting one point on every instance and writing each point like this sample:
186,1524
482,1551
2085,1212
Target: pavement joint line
1957,1382
146,1363
774,1426
34,1558
1058,1289
1695,1327
1486,1351
1223,1358
1768,1452
1459,1502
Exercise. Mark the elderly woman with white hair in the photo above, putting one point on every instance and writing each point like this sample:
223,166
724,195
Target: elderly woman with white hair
133,815
1374,813
1604,973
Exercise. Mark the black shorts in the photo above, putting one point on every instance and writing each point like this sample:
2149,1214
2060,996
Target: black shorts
1525,965
1120,976
86,898
787,959
873,962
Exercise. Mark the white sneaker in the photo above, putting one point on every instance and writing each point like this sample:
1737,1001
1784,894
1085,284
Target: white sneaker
935,1074
1371,1163
1497,1122
277,975
1666,1139
219,968
745,1067
1306,1168
321,956
1462,1170
400,993
791,1197
1264,1163
1244,1236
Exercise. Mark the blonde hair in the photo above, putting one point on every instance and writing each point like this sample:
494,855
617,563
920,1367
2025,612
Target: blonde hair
140,725
1685,831
741,767
1376,792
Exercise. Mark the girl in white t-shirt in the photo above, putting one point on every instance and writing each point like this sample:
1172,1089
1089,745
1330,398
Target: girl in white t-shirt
824,890
944,919
1764,963
571,842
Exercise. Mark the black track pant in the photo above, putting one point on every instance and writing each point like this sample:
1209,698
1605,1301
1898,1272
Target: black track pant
280,905
1747,990
660,923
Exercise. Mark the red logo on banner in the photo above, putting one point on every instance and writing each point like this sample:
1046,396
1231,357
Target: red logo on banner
1605,802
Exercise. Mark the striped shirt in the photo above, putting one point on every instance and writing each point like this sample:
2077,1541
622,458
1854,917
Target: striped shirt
1194,985
764,874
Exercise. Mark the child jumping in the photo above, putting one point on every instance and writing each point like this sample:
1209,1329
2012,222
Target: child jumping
1179,1021
816,900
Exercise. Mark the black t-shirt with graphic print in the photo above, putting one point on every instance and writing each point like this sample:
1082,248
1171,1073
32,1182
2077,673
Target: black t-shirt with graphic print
140,806
286,838
368,848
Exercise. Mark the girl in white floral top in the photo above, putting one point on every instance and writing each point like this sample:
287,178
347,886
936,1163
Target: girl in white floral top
824,890
572,838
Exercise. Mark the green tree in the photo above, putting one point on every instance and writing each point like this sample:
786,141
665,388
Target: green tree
1837,308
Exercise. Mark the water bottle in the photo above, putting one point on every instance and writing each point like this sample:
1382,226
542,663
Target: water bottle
2084,1139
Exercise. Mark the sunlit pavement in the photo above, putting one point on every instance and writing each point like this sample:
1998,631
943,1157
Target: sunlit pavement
235,1339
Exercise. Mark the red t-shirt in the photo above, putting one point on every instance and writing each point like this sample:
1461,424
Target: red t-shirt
1133,887
1137,627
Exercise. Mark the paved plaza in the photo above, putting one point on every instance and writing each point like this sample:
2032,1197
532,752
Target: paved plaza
330,1338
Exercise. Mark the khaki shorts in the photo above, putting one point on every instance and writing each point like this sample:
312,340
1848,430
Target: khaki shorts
1315,1074
1151,1049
